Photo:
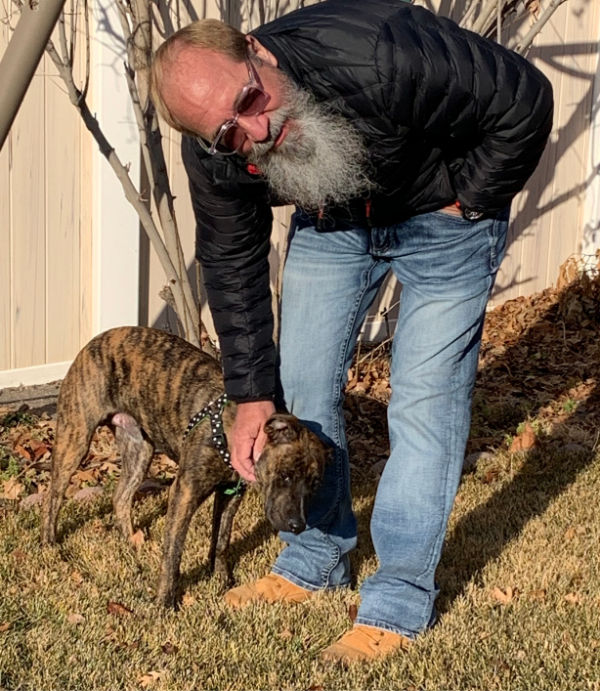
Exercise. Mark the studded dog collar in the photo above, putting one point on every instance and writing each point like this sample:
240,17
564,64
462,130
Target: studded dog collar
214,412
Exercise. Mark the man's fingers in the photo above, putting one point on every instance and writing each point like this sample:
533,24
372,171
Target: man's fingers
259,445
246,472
247,436
242,462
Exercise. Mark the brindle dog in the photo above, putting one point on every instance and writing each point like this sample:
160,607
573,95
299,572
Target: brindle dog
150,384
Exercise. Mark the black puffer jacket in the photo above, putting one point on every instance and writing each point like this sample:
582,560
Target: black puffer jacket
445,115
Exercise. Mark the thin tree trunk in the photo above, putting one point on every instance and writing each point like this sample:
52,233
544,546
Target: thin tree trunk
22,56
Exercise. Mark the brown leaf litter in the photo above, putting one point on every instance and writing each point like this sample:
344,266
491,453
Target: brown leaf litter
539,360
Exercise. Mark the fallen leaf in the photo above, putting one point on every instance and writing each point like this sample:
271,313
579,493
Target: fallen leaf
188,600
38,449
504,597
285,635
23,452
12,488
118,609
82,476
109,467
5,626
18,555
169,649
491,476
75,618
524,441
149,679
137,539
572,598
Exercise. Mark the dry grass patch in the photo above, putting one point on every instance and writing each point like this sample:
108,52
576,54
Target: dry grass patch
81,615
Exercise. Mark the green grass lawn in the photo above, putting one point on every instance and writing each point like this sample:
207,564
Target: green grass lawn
520,576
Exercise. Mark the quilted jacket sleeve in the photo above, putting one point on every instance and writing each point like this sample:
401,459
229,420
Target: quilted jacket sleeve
487,108
233,226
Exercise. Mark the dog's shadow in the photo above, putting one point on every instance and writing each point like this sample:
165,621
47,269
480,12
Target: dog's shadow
260,533
81,514
149,513
149,507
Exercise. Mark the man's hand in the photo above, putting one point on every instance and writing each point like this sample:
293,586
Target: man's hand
248,437
452,209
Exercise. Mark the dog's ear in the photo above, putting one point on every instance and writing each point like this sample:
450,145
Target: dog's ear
282,429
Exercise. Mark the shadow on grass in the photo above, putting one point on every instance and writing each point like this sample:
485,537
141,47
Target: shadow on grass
558,352
555,355
260,533
74,515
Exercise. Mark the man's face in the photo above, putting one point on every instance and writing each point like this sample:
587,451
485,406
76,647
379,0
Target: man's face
310,156
200,89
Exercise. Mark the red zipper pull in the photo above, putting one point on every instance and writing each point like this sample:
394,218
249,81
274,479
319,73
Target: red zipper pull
320,215
368,212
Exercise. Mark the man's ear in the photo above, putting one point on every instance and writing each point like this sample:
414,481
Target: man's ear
256,47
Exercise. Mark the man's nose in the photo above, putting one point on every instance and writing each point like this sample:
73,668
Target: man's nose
256,127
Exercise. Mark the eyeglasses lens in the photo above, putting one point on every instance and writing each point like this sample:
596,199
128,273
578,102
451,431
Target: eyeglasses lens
252,101
231,140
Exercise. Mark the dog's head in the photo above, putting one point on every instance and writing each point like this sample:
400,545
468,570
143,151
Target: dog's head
289,470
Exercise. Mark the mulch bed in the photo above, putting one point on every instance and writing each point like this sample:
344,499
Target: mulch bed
539,364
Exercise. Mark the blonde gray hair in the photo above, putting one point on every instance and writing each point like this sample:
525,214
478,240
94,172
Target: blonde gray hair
209,34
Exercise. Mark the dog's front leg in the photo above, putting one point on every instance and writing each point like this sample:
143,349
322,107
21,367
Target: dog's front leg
224,510
186,495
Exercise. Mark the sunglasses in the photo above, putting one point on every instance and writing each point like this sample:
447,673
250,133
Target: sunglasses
251,100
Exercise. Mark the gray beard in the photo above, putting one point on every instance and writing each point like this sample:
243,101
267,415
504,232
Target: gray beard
322,160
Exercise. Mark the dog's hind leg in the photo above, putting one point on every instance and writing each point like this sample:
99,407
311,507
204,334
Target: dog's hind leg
224,509
72,441
188,491
136,454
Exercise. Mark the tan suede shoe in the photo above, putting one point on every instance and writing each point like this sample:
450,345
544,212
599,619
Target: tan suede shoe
364,643
271,588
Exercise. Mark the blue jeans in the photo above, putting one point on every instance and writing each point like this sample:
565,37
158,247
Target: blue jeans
447,267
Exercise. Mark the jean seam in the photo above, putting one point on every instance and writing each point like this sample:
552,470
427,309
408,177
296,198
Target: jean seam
493,241
293,578
451,437
337,414
379,624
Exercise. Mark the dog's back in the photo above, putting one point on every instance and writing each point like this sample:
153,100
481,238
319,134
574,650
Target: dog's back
146,373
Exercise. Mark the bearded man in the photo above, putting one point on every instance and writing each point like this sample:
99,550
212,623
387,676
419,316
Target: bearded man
401,139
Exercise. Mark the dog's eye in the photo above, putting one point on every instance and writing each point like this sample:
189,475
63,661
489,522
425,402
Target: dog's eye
286,480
